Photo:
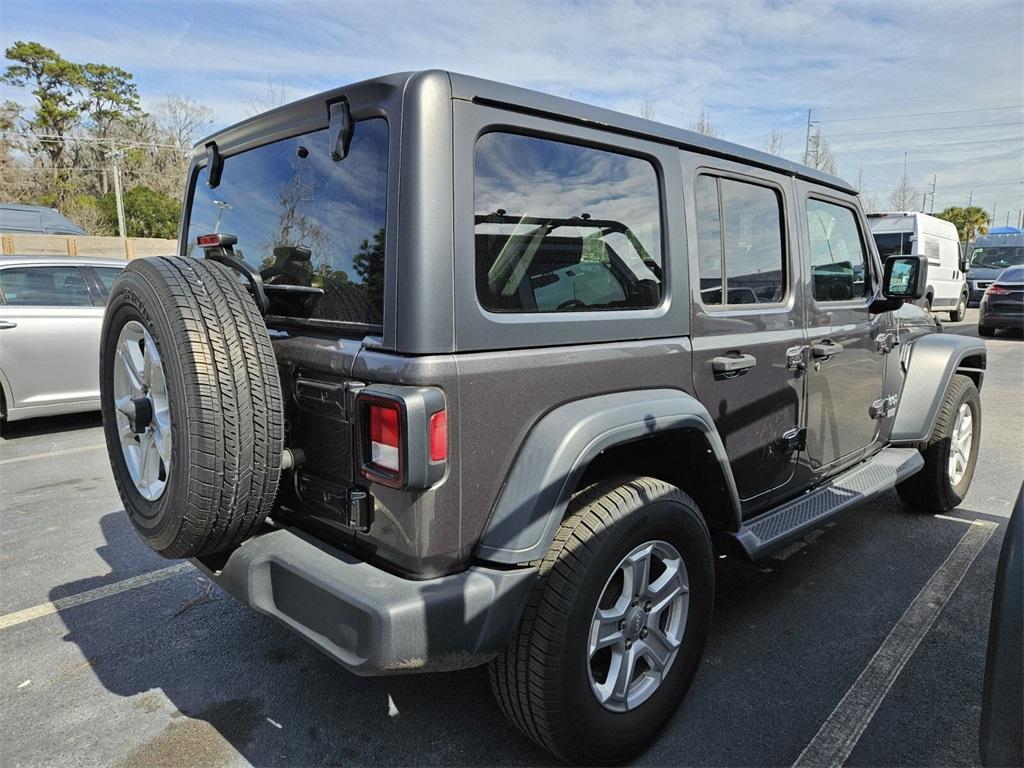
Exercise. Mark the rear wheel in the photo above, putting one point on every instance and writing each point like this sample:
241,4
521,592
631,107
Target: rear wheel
951,452
191,402
613,633
986,331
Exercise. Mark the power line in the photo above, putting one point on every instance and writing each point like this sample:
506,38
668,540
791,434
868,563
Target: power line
916,114
921,130
87,140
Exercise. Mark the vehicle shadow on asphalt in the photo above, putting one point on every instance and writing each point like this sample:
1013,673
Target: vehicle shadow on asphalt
50,425
788,638
232,674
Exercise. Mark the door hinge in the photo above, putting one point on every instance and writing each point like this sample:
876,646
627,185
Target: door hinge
793,440
886,342
795,358
885,407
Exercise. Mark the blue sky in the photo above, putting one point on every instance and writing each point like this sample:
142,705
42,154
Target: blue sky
754,65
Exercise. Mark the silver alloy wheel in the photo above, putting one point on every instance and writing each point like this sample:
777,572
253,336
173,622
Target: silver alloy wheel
142,410
960,444
638,626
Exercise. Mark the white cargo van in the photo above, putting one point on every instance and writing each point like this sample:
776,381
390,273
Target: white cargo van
918,234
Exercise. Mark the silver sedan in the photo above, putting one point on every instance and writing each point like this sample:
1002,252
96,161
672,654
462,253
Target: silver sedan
51,310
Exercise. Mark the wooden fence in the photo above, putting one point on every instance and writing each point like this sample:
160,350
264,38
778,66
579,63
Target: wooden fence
99,247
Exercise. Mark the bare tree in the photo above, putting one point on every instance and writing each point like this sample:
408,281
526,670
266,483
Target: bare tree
703,124
182,121
869,202
647,109
773,142
904,197
276,95
819,155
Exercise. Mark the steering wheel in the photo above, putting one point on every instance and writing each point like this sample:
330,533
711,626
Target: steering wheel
571,304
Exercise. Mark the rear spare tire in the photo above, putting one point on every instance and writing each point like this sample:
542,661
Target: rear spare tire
191,402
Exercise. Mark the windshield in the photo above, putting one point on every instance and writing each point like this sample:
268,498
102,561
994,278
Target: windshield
997,257
894,244
304,219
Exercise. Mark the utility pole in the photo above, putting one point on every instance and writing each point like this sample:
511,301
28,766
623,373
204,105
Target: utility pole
118,196
860,179
924,201
970,198
807,141
994,205
935,178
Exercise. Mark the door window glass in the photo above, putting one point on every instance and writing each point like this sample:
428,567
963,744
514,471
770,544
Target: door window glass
564,228
107,276
839,267
44,287
739,242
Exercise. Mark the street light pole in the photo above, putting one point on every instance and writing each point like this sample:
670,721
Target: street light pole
118,196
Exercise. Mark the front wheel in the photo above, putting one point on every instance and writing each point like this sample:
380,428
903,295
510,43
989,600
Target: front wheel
614,630
958,314
950,453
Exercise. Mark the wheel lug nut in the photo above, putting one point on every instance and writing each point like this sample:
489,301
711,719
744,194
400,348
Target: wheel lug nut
647,607
643,633
629,643
622,625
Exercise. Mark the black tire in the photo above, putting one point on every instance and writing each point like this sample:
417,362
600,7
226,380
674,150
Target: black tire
930,489
224,396
958,314
926,305
542,680
986,331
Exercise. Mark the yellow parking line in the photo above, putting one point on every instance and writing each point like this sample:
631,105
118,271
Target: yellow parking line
62,452
37,611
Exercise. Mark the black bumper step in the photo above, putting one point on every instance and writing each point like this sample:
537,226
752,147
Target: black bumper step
771,531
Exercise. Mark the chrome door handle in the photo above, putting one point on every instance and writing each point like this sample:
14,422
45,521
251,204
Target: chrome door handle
5,324
825,349
727,364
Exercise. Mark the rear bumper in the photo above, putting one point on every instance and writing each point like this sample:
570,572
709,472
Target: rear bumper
1001,317
369,620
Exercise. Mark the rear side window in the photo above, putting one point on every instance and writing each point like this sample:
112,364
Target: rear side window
739,243
839,265
44,287
564,228
107,276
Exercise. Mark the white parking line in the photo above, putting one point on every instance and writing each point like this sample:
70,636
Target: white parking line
38,611
839,734
62,452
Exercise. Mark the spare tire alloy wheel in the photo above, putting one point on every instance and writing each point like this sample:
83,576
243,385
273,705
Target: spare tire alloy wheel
192,406
638,626
143,410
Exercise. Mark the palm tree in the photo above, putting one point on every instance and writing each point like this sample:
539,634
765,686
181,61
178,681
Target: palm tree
971,221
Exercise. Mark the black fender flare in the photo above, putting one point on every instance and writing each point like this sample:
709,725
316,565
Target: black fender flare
558,450
932,362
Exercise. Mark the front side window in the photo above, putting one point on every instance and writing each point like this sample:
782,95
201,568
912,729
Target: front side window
564,228
43,287
739,243
305,219
839,263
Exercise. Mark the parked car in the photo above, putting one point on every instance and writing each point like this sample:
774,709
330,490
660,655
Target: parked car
36,220
1002,247
504,373
1002,304
936,239
51,310
1002,704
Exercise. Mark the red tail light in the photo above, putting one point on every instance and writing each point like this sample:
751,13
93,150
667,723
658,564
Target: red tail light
439,436
385,436
996,290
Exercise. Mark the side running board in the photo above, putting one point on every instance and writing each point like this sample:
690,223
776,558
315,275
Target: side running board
773,530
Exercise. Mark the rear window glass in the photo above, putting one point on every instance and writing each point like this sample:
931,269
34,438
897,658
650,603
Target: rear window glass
564,228
107,276
43,287
304,219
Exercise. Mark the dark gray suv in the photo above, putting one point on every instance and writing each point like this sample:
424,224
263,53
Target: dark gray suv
449,373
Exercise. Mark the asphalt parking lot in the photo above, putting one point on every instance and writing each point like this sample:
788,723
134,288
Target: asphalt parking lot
111,655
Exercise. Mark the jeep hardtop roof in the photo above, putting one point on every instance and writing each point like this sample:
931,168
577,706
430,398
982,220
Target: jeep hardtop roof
285,120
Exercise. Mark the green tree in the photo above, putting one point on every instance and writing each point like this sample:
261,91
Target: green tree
970,221
369,265
111,97
56,83
147,213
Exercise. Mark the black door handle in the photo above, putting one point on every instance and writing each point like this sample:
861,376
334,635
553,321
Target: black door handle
732,363
826,348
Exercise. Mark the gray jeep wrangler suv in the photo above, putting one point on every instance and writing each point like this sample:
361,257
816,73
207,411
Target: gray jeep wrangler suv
448,373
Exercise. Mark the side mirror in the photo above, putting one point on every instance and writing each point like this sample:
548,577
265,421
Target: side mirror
905,277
